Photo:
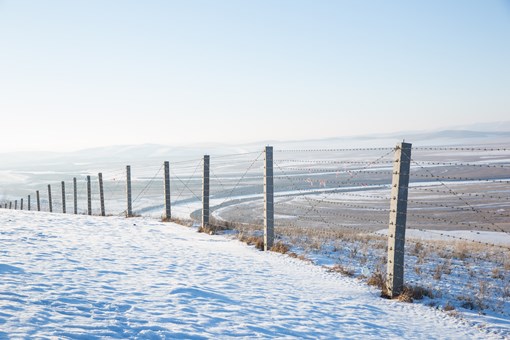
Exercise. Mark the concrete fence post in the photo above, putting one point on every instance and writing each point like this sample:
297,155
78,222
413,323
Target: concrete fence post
75,194
101,193
268,199
397,223
168,207
28,203
21,204
50,203
38,200
63,197
89,197
129,211
205,192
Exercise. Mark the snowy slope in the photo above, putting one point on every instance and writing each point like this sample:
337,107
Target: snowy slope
67,276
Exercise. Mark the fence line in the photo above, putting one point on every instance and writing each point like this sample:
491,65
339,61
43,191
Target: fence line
326,195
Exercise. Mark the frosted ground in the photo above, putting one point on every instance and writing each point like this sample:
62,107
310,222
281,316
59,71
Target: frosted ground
65,276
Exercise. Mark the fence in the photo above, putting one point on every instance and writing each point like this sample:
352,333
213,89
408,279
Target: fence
362,210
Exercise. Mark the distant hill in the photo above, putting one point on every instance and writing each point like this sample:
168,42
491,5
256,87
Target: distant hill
137,154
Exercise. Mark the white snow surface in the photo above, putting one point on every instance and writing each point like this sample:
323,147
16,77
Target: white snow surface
83,277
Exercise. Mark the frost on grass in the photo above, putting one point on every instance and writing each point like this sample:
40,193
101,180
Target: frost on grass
465,277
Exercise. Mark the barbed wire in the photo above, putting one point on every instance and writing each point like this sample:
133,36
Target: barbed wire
461,238
421,188
333,150
185,185
148,184
337,171
460,198
459,149
349,180
349,205
241,178
331,162
235,154
441,205
465,164
456,178
451,222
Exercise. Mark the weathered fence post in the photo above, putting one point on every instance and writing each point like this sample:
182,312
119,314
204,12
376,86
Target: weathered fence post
397,223
129,211
28,203
63,197
15,204
101,193
75,194
268,199
21,204
50,204
38,199
89,197
10,205
168,208
205,192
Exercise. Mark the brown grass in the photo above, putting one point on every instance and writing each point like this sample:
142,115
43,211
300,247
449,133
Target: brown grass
184,222
256,241
411,293
338,268
448,307
377,279
280,247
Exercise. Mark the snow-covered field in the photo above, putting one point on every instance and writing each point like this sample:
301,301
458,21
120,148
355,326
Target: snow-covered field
65,276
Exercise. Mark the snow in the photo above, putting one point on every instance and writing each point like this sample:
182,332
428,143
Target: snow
66,276
491,237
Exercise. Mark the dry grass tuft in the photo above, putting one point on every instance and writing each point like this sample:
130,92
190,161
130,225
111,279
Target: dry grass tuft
184,222
497,274
256,241
418,292
338,268
377,279
405,296
280,247
448,307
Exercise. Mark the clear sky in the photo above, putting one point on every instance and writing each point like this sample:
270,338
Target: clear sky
77,74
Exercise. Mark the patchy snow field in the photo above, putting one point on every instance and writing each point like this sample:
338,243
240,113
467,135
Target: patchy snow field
65,276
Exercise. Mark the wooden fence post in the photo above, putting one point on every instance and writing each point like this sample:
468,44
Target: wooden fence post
50,204
63,197
268,199
28,203
21,204
38,199
15,204
10,205
75,194
168,207
397,223
89,197
101,193
129,211
205,192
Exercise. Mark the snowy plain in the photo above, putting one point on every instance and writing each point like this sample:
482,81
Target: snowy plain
86,277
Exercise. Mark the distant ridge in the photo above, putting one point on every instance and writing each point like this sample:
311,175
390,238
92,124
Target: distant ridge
142,153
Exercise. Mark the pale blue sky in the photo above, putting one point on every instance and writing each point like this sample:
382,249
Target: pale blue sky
77,74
